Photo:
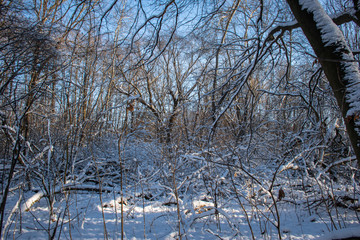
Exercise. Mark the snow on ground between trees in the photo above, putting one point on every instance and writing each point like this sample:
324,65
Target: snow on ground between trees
151,213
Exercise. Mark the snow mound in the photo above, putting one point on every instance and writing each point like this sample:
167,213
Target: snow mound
344,233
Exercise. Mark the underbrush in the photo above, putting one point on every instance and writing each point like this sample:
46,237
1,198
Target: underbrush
181,194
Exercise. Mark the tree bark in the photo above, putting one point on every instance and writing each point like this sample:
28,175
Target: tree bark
336,60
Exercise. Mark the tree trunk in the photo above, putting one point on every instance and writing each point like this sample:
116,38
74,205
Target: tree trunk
336,60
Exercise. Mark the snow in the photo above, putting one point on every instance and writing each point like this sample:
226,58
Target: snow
330,32
221,195
81,211
353,98
84,215
342,233
32,200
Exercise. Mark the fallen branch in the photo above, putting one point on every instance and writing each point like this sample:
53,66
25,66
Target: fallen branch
69,187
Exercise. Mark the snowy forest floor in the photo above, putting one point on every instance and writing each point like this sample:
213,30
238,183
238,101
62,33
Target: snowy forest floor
90,215
219,197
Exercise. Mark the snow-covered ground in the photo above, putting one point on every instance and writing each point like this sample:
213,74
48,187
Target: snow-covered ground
218,199
81,215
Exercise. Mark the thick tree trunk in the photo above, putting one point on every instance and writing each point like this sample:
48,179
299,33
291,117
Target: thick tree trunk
336,60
